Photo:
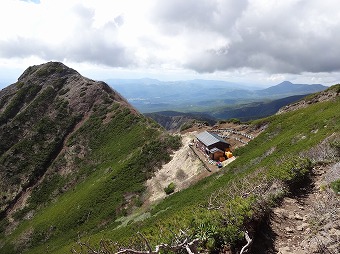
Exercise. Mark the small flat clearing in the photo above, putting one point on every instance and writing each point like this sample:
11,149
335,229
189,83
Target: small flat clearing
185,168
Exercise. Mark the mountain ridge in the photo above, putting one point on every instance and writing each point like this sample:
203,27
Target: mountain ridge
47,82
94,191
58,129
288,87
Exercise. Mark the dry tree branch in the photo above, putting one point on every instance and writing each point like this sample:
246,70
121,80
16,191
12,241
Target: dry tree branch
146,241
249,242
190,247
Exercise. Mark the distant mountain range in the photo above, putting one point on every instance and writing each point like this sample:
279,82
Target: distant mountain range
288,88
175,103
173,120
150,95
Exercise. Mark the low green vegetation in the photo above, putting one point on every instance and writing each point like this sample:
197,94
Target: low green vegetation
23,95
234,120
49,69
336,186
186,126
219,208
123,153
170,188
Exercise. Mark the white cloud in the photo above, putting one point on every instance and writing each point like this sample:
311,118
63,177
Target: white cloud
214,38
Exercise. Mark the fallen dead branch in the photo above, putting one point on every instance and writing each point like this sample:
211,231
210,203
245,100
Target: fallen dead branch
249,242
189,246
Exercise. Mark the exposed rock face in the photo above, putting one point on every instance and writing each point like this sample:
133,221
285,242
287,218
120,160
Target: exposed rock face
38,114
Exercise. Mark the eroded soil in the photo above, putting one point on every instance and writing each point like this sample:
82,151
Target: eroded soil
186,168
306,222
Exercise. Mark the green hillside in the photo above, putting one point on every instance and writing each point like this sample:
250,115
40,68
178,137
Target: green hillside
125,148
76,159
101,197
219,209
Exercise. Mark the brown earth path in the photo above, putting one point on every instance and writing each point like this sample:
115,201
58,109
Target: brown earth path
307,222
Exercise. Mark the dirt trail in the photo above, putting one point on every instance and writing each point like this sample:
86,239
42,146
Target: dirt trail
308,222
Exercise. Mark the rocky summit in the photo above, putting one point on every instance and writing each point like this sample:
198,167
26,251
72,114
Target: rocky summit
38,114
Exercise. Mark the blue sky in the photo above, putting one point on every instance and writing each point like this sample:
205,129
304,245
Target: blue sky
262,42
33,1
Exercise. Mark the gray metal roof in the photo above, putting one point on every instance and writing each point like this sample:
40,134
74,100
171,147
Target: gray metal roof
208,138
214,150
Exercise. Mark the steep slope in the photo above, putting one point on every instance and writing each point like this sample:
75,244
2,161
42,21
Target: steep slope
216,213
73,154
38,113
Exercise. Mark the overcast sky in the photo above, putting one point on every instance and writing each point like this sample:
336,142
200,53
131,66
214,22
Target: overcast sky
259,42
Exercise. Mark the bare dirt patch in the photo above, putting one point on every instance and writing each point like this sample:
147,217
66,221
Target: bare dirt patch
189,165
183,170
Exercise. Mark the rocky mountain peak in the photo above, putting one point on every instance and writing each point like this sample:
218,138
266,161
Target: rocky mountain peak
38,114
81,93
49,69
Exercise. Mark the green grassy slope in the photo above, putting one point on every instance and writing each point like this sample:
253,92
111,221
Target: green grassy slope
111,188
124,154
283,154
98,167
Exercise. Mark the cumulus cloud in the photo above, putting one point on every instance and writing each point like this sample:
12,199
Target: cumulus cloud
68,34
278,37
207,36
206,15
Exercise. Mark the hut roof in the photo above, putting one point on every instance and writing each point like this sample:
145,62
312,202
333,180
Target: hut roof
215,150
208,138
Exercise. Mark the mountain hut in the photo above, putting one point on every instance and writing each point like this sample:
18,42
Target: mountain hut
212,144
